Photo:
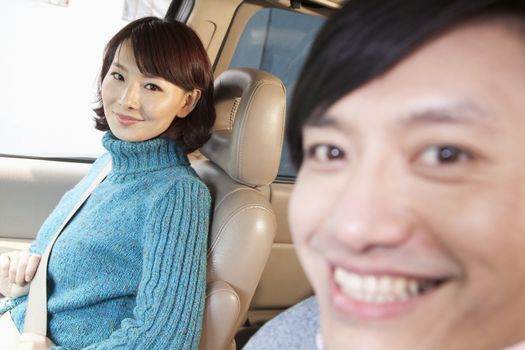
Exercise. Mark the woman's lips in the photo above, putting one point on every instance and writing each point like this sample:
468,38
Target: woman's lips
378,296
127,120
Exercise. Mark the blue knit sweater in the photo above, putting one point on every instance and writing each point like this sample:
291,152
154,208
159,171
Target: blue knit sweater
129,270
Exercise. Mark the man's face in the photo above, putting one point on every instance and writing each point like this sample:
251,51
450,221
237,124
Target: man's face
409,209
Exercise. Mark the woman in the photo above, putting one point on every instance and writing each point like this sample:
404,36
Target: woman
129,270
408,211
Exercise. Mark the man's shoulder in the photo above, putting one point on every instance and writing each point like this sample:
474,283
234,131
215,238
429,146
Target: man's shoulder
295,328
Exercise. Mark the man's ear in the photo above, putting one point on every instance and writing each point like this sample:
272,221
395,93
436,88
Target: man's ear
190,101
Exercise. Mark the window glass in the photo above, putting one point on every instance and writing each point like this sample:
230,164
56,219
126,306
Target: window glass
277,41
51,56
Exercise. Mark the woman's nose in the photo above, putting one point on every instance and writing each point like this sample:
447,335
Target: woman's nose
372,211
130,97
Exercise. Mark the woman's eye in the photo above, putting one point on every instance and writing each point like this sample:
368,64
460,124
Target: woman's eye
325,153
152,87
117,76
444,155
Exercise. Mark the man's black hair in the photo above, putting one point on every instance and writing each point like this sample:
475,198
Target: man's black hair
368,37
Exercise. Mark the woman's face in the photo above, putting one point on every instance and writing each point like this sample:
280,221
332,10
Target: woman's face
139,107
409,210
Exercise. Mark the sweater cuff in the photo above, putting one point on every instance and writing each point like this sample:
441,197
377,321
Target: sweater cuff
7,304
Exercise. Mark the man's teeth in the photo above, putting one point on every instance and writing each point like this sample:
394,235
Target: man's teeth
380,289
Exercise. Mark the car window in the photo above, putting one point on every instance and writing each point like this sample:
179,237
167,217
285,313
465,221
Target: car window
51,56
277,41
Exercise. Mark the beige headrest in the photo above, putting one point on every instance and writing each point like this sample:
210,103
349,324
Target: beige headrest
247,138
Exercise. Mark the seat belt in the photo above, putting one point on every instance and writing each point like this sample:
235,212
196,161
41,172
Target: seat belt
36,312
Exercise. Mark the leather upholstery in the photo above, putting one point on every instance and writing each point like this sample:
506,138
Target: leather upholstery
243,157
221,299
248,149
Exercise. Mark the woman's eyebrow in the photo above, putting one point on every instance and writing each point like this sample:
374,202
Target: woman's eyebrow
146,75
151,76
118,65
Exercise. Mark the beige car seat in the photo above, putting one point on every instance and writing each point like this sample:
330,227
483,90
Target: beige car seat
243,158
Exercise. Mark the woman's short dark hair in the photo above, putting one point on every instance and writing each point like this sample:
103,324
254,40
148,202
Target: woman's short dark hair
368,37
173,51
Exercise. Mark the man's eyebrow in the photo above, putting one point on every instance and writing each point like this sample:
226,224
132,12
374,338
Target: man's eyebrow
462,113
325,120
467,113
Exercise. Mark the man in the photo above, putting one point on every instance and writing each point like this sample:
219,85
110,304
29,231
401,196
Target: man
408,214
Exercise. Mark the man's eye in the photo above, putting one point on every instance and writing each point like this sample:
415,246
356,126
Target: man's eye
152,87
117,76
325,153
444,155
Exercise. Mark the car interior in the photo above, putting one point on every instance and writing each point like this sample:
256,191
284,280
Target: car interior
238,176
257,48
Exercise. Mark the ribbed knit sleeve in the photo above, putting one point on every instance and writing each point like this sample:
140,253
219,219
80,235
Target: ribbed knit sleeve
170,299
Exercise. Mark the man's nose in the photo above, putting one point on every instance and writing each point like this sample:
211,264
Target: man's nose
373,210
130,97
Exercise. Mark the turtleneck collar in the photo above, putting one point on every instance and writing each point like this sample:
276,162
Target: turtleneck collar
150,155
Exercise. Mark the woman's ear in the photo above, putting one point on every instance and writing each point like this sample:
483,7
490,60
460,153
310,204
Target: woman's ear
190,101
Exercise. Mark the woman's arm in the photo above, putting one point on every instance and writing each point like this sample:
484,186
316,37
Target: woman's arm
170,299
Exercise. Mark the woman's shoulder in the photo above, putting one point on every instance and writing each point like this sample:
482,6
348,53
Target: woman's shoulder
102,160
98,165
178,182
185,176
